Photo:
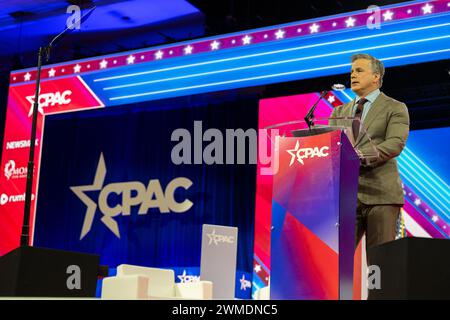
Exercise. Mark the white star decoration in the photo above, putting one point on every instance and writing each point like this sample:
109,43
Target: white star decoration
245,283
247,39
51,72
350,22
27,76
130,59
427,8
417,202
257,268
331,99
159,54
434,218
314,28
188,49
77,68
184,278
388,15
280,34
215,45
103,64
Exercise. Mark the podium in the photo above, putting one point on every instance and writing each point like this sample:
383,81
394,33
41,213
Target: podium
313,215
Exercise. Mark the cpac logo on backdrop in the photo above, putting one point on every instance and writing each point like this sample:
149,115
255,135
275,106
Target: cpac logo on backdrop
49,100
133,193
306,153
12,171
218,238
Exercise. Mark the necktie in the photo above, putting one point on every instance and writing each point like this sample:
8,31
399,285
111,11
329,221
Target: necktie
358,113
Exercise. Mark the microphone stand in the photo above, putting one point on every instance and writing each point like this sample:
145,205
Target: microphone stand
28,271
309,118
44,52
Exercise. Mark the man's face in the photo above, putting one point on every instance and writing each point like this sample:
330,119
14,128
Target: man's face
363,80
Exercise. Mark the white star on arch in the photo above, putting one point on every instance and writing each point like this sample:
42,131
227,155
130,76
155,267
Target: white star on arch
247,39
331,99
427,8
214,45
188,49
51,72
103,64
388,15
77,68
350,22
27,76
314,28
280,34
159,54
130,59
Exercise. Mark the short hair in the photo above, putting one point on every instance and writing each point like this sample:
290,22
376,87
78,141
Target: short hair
376,65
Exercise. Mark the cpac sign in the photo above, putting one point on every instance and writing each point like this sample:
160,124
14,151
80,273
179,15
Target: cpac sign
134,193
50,99
307,153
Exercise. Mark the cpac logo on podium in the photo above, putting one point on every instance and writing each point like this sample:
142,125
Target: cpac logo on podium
133,193
306,153
50,99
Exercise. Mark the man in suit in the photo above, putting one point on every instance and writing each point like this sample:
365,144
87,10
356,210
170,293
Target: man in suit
386,121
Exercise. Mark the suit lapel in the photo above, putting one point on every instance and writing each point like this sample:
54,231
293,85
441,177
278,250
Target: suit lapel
377,106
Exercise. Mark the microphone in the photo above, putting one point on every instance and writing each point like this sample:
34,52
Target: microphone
310,115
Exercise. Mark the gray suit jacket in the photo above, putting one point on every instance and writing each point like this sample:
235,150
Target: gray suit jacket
387,123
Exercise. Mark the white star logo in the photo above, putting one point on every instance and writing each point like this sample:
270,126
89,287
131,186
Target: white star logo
103,64
293,153
280,34
215,45
331,99
188,49
51,72
350,22
388,15
257,268
77,68
27,76
184,278
427,8
314,28
97,185
247,39
159,54
244,283
130,59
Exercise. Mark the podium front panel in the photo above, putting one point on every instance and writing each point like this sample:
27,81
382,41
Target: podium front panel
307,215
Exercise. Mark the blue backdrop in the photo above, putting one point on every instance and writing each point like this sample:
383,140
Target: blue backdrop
135,141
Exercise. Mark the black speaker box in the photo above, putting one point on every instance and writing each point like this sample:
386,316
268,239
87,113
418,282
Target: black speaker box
42,272
412,268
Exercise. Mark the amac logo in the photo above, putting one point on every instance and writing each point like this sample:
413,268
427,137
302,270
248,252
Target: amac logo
133,193
306,153
49,99
12,171
218,238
